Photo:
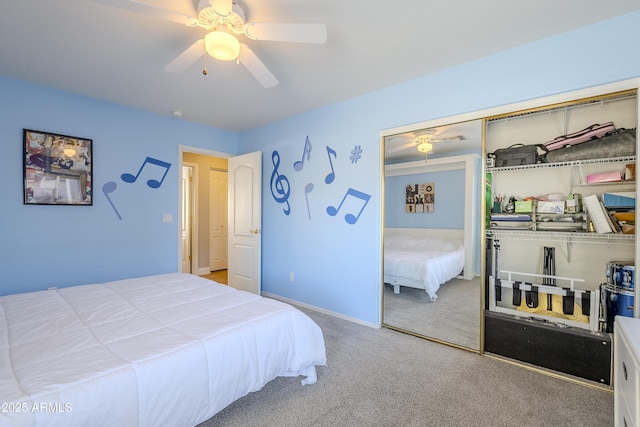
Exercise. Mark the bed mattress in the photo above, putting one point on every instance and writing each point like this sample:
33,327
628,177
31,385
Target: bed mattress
170,349
430,262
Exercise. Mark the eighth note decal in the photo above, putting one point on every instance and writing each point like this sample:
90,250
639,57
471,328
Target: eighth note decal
359,197
155,166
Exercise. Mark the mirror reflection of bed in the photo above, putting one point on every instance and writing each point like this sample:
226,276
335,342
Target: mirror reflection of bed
431,286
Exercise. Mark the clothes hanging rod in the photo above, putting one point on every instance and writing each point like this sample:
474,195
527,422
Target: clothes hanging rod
564,107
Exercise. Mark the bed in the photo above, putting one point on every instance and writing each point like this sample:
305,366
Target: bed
171,349
423,261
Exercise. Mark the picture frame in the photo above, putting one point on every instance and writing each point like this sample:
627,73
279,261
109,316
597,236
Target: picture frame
58,169
420,198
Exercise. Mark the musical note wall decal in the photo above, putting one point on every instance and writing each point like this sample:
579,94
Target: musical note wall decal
152,183
356,154
280,187
332,175
307,150
308,189
110,187
350,218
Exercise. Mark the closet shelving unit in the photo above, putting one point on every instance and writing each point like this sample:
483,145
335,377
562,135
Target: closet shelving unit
582,254
577,182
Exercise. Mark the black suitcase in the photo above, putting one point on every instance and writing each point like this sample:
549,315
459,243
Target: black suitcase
516,155
573,351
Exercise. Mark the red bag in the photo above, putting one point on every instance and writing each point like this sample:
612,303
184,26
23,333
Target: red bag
592,132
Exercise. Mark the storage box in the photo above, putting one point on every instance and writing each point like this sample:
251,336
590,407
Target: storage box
625,200
630,172
574,204
524,206
625,216
604,177
550,206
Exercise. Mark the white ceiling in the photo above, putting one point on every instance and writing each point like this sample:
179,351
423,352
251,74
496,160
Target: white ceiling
455,138
85,47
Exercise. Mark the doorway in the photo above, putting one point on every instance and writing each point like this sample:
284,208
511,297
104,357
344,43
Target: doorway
186,222
203,219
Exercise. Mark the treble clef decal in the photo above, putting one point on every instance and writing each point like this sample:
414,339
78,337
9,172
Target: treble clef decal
280,188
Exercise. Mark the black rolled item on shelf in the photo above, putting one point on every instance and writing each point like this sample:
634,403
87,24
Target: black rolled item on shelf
620,143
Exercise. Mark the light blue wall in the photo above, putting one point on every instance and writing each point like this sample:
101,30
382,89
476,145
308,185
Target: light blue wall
337,265
45,246
448,207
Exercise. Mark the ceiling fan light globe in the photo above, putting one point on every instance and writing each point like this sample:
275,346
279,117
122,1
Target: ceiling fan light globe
222,46
425,147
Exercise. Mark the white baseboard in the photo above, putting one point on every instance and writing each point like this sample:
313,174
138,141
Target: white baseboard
321,310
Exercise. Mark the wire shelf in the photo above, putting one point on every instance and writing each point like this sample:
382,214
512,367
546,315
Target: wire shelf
572,163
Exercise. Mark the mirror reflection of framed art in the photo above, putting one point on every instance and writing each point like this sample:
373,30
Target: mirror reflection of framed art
57,169
420,198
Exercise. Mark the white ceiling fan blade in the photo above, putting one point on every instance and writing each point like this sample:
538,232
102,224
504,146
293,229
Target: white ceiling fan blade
256,67
221,7
401,147
186,58
153,10
300,33
449,138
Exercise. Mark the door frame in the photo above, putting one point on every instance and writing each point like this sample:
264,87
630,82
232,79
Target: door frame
194,242
193,223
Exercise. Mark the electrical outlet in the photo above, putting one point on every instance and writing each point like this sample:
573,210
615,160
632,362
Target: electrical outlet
291,277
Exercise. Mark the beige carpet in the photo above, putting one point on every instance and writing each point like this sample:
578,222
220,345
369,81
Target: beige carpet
454,317
379,377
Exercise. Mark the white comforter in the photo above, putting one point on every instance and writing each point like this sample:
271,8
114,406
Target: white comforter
429,261
166,350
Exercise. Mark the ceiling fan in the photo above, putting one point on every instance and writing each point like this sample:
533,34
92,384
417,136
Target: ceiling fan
223,20
423,141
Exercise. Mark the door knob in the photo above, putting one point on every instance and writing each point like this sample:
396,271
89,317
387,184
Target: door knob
254,231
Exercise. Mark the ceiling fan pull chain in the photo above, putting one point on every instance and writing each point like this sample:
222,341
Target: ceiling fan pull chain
204,69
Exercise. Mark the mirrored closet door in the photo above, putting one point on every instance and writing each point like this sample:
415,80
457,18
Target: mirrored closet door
431,234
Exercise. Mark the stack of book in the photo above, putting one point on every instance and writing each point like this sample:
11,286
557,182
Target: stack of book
518,221
615,213
621,209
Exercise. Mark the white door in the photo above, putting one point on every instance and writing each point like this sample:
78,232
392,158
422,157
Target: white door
218,229
187,200
245,190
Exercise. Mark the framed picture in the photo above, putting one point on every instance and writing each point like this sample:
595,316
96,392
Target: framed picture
420,198
57,169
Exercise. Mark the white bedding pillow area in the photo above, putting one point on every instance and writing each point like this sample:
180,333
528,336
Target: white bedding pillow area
428,243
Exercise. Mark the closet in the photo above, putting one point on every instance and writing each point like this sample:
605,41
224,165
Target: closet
554,279
554,260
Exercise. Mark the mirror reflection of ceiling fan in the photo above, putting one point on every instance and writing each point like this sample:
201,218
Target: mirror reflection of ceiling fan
423,141
223,21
